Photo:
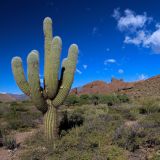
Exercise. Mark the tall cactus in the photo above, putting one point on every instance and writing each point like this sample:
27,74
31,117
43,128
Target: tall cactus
47,99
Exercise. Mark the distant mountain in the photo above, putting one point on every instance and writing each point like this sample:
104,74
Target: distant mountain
7,97
149,87
143,88
20,97
101,87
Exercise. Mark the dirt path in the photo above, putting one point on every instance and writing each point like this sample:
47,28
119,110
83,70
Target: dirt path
20,138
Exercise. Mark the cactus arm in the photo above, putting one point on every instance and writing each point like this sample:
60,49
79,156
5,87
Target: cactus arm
19,76
54,63
47,29
34,82
69,66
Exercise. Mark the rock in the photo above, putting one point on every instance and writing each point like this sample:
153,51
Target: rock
143,88
101,87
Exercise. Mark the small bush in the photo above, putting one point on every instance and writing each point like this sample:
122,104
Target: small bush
123,98
113,99
127,111
70,120
71,100
9,142
95,99
108,99
127,137
84,99
149,106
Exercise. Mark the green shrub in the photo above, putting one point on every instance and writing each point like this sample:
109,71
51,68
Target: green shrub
123,98
127,111
14,103
127,137
70,120
4,109
95,99
9,142
149,106
113,99
22,121
71,100
84,99
110,100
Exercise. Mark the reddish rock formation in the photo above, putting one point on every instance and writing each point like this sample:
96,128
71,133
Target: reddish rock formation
146,88
101,87
149,87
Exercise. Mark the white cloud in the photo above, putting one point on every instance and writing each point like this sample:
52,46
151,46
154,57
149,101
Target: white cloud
130,21
145,39
85,66
135,28
109,61
120,71
154,41
78,71
116,13
142,77
140,38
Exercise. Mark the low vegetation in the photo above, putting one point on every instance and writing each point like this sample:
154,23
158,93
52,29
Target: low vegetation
98,127
96,99
16,117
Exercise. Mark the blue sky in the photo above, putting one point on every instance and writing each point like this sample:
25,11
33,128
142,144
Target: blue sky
119,38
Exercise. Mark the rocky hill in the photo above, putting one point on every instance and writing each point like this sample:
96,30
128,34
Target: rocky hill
101,87
6,98
149,87
12,97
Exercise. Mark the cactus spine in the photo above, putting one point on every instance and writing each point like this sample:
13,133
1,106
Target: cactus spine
47,99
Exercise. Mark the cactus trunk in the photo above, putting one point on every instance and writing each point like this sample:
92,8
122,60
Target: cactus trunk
51,125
